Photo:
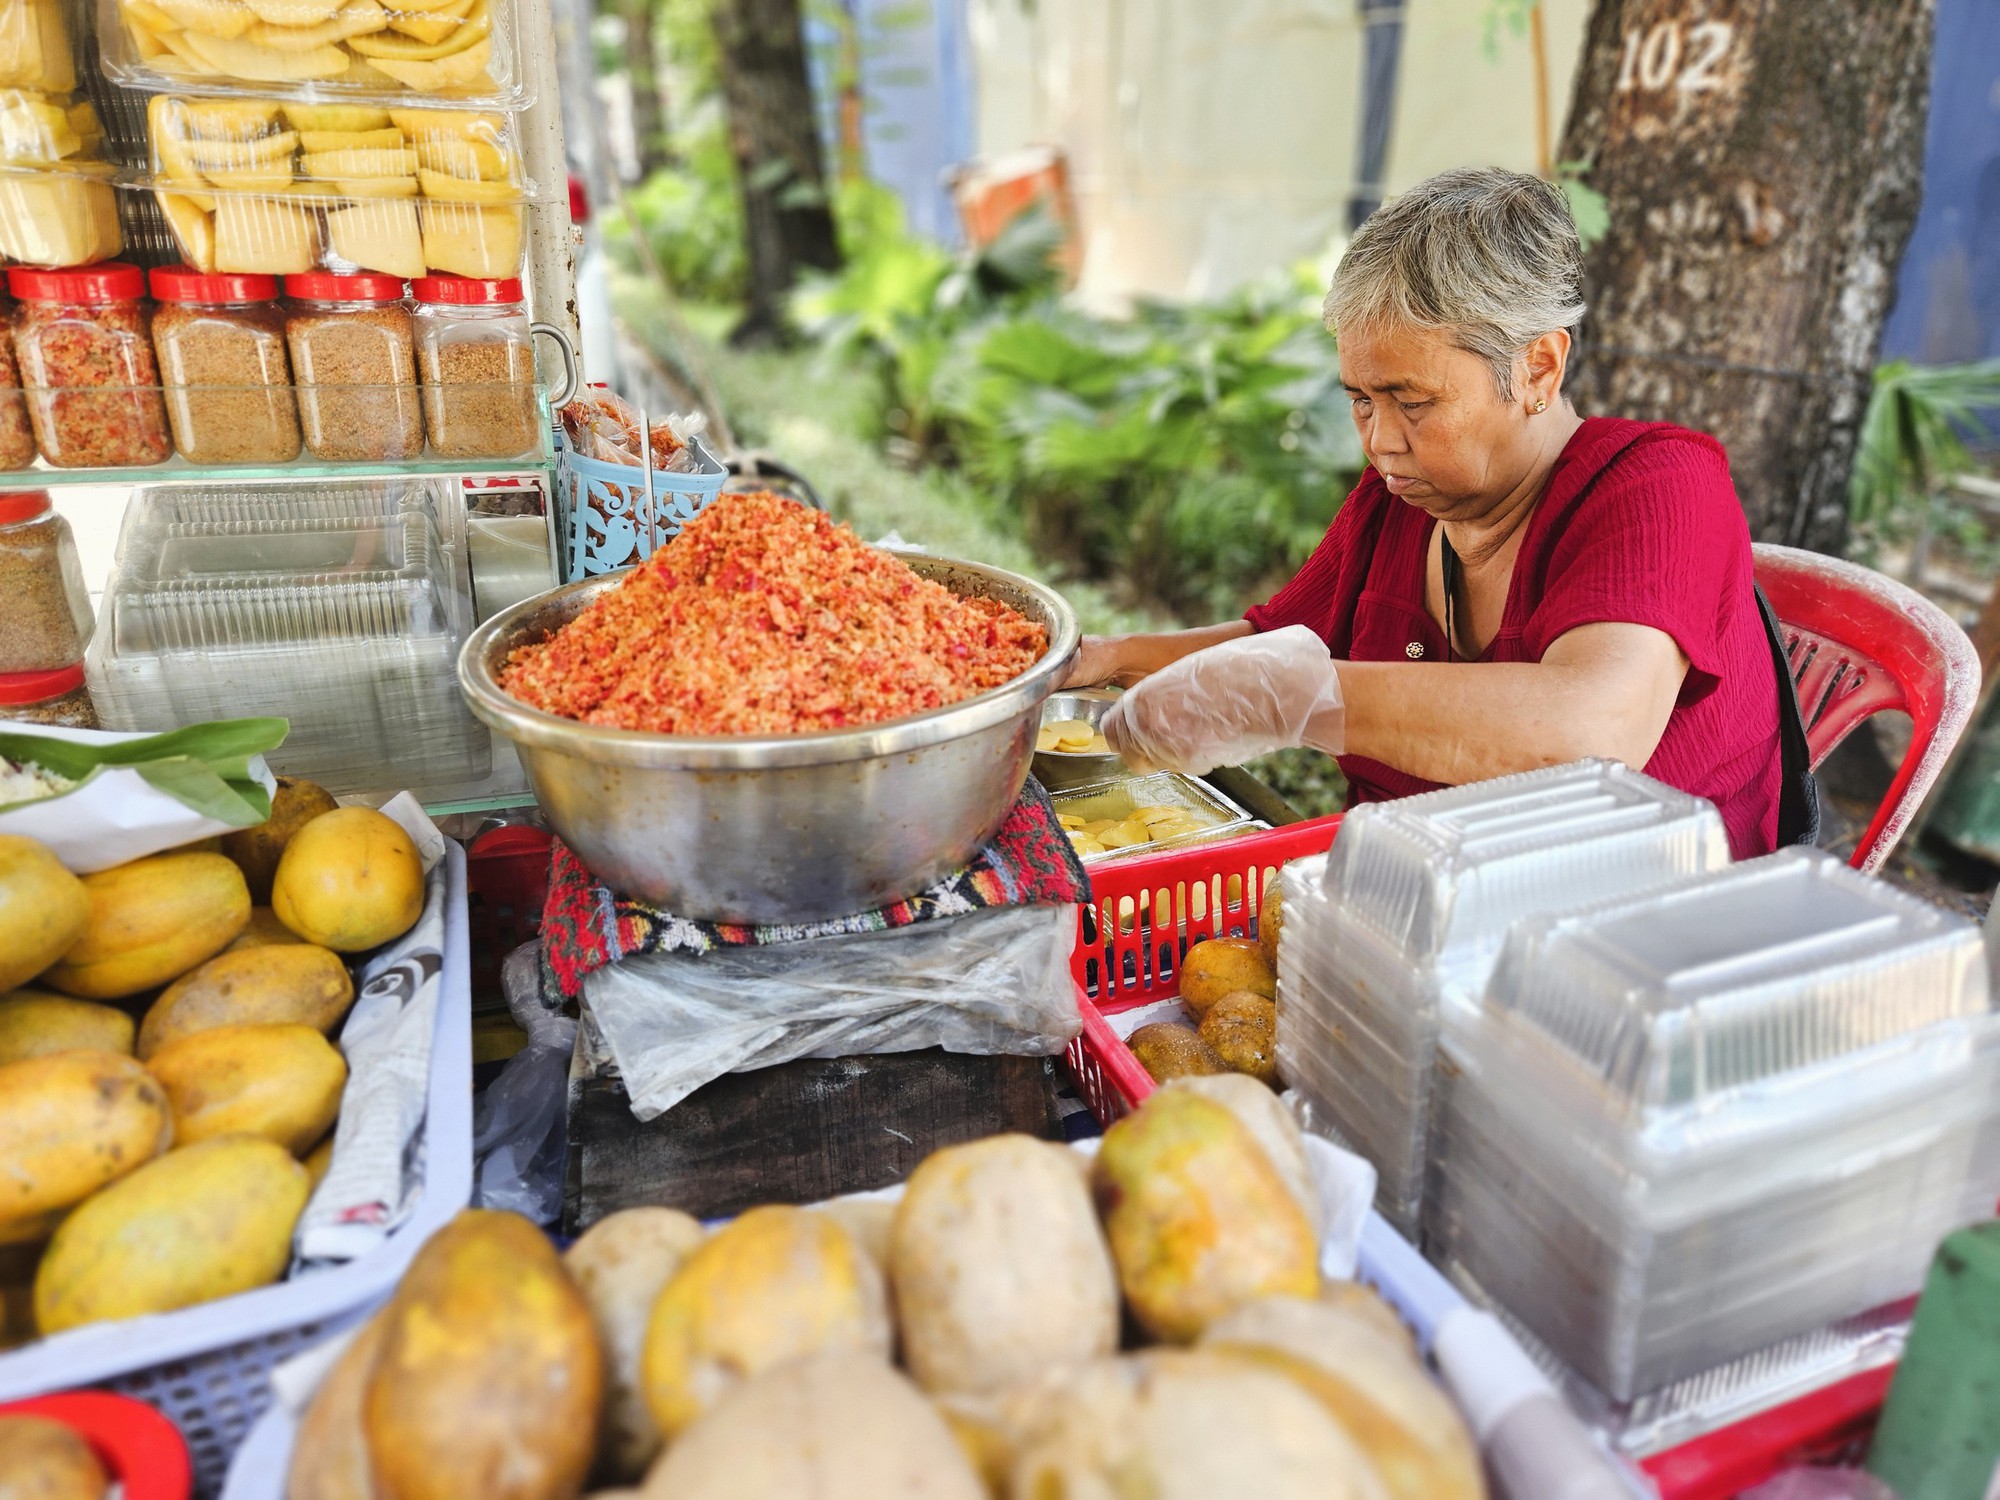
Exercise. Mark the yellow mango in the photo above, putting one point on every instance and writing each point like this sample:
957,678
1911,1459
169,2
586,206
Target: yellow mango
279,1082
318,1160
769,1286
43,910
264,931
330,1453
350,880
43,1459
69,1124
206,1221
1199,1218
286,984
489,1379
150,922
36,1024
296,803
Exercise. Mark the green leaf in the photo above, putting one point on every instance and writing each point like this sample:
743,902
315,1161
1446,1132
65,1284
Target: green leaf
205,767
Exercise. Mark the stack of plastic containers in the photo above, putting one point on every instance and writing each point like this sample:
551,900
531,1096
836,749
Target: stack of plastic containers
339,606
1397,940
1686,1125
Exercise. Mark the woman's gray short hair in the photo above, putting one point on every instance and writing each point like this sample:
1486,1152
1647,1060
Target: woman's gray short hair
1489,257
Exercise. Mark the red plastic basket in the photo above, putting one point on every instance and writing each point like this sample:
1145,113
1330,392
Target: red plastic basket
138,1446
1146,912
506,882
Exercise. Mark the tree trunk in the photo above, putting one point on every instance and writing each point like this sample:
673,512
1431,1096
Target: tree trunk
649,119
774,135
1762,165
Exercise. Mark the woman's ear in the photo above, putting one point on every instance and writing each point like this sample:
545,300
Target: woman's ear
1546,359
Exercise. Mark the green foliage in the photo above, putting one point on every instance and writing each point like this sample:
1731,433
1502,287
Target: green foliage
1196,453
1912,439
1586,205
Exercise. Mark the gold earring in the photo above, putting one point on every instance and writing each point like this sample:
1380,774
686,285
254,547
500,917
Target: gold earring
1541,406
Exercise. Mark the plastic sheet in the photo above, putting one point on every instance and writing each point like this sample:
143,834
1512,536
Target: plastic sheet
990,982
520,1137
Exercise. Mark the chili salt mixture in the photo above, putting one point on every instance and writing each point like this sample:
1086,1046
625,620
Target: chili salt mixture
85,351
764,617
17,437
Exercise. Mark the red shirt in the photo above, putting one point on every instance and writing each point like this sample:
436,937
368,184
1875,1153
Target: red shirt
1639,523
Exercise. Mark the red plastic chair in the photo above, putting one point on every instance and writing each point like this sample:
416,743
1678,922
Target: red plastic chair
1861,644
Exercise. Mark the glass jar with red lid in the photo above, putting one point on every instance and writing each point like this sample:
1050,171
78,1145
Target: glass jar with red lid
354,363
60,698
83,344
476,357
228,381
45,616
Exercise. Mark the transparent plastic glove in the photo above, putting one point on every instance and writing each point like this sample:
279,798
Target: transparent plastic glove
1232,703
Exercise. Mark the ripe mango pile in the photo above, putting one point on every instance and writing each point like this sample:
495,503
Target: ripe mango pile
1024,1322
167,1087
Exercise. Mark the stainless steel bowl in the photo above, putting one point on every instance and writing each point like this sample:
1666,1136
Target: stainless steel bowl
1057,769
797,828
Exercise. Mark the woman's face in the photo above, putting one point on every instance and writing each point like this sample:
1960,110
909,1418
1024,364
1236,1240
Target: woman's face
1432,422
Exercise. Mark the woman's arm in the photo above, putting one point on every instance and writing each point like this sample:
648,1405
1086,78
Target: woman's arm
1603,689
1124,659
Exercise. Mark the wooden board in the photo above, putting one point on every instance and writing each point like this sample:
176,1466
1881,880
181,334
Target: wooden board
795,1133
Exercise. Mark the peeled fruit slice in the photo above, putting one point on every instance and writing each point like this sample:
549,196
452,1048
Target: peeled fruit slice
242,59
464,240
447,73
335,117
380,235
239,156
149,18
357,18
449,124
433,26
465,189
264,236
294,12
469,159
371,163
31,131
194,226
186,59
149,46
273,179
477,24
226,119
224,18
375,187
363,74
350,140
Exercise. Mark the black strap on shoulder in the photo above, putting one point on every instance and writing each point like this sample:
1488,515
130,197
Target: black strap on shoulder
1798,792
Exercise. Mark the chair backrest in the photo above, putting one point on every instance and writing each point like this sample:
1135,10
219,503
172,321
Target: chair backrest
1860,643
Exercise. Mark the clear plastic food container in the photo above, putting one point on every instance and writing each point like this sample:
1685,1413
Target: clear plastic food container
462,52
476,359
285,188
354,359
83,344
34,47
57,203
1417,896
1687,1125
228,381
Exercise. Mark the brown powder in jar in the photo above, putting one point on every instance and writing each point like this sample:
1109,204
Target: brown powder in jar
229,386
357,382
38,631
17,438
479,398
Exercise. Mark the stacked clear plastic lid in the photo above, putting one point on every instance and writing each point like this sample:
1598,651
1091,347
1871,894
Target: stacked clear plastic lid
1687,1125
1397,939
337,605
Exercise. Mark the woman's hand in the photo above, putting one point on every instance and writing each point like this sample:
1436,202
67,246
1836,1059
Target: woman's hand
1121,660
1232,703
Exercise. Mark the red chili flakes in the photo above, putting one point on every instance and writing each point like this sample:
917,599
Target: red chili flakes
764,617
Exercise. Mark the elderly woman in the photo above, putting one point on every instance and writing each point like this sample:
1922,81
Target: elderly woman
1510,585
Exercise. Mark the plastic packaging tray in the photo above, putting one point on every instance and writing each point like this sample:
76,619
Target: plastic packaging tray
346,620
1689,1125
206,1368
1397,937
58,205
462,55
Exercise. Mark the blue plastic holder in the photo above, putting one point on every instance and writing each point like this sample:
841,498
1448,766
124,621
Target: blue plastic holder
614,515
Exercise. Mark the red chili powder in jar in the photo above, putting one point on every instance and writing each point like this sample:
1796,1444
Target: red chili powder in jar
764,617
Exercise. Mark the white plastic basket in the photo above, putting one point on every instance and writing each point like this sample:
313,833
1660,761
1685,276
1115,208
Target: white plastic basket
208,1367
